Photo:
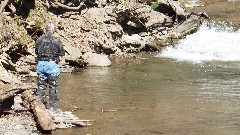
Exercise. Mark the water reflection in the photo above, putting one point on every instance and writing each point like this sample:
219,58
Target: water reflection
155,96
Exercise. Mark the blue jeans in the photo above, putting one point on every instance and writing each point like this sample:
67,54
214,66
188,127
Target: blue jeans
48,72
47,68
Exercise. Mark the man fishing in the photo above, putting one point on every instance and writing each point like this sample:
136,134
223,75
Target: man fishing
48,50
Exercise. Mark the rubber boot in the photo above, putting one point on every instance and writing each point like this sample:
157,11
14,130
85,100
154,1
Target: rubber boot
53,84
41,88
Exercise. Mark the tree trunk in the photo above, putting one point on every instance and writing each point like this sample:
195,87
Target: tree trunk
44,118
10,89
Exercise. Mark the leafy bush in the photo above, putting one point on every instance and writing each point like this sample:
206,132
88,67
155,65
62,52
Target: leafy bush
154,5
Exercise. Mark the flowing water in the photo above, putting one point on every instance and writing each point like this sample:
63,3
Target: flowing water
190,89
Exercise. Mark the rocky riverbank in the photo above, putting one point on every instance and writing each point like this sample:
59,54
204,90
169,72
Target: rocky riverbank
92,32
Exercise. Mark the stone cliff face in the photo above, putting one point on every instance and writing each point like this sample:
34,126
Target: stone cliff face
91,31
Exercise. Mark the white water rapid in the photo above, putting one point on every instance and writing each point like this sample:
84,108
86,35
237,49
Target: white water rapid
212,42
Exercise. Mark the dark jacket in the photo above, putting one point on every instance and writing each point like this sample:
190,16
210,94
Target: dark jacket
48,46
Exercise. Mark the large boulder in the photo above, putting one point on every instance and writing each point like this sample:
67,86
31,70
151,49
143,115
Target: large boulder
94,59
135,41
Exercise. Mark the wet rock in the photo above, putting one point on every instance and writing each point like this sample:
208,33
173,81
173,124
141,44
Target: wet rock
8,77
69,47
95,59
172,7
72,62
189,26
135,41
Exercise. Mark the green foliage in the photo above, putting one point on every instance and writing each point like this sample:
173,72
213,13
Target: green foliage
38,24
154,5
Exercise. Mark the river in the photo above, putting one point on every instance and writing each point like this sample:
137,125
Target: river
190,89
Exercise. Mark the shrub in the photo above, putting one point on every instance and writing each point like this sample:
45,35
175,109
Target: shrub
154,5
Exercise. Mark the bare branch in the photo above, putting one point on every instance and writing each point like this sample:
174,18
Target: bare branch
4,5
68,7
11,6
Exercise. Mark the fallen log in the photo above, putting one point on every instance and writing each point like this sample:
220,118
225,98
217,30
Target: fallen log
46,119
58,4
49,120
9,90
43,117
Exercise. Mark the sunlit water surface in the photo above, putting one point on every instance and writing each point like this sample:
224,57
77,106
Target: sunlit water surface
190,89
155,96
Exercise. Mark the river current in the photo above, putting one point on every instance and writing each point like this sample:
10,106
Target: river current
192,88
